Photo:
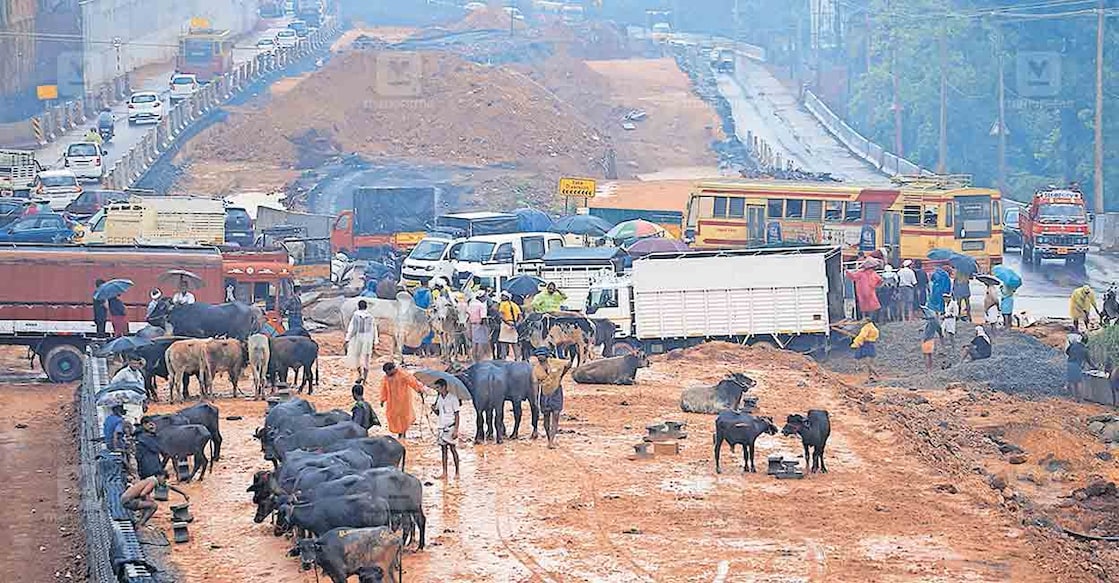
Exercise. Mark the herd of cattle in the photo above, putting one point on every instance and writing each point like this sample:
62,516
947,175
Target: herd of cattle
344,496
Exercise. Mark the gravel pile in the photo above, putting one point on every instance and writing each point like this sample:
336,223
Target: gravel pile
1019,363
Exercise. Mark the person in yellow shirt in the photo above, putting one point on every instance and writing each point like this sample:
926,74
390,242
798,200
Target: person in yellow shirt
1081,304
508,338
547,375
864,345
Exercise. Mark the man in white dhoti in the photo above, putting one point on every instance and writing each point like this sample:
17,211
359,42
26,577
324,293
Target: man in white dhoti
361,340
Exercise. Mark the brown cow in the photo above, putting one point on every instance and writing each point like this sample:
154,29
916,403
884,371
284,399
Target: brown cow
187,357
566,334
227,355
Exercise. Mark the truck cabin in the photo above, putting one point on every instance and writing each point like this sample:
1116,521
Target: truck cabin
491,257
261,278
1059,207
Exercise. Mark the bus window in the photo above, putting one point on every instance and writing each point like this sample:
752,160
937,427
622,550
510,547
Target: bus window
737,208
911,214
854,212
833,211
931,215
774,208
794,209
996,212
720,209
813,210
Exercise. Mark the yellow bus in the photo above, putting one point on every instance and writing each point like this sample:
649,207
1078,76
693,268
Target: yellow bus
914,216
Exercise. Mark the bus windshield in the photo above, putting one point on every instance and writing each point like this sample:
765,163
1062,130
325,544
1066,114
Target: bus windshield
198,50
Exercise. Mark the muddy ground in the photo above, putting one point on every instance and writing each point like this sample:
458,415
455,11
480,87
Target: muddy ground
918,490
41,538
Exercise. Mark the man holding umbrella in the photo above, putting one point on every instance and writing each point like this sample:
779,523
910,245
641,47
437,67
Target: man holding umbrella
183,297
100,309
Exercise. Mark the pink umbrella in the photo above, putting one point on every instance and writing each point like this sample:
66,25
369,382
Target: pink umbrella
656,245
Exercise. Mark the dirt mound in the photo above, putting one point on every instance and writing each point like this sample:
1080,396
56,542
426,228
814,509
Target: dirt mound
487,19
450,110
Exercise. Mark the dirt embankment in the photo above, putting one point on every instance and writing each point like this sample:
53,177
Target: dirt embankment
909,495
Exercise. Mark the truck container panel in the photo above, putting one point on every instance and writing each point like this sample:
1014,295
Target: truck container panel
168,219
316,226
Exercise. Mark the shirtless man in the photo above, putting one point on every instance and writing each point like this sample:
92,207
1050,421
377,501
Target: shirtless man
138,496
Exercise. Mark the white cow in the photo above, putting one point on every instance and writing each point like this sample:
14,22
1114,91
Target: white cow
406,322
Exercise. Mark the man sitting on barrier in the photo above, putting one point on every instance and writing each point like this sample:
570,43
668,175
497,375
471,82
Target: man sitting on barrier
138,496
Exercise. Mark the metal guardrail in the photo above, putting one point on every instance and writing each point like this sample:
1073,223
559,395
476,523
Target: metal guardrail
886,162
140,157
58,119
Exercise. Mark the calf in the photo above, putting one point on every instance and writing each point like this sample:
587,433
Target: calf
741,429
225,356
183,358
813,430
203,414
713,399
617,370
570,335
180,441
258,348
294,352
355,551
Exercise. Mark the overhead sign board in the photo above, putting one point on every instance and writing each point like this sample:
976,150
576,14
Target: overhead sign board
577,187
45,92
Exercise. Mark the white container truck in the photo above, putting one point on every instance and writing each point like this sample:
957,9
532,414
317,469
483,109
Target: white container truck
787,297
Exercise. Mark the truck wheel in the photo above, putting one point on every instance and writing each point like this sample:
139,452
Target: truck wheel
63,363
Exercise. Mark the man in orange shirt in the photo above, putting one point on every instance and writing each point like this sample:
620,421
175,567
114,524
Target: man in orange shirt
396,398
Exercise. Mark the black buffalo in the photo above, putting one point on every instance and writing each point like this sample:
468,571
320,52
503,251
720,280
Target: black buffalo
487,382
519,388
203,414
232,320
813,430
384,450
373,554
352,510
740,429
180,441
316,438
617,370
294,352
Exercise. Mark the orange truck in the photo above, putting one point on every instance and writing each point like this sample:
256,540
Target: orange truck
1055,226
384,218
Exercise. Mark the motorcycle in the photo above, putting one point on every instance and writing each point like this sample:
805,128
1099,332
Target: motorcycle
106,133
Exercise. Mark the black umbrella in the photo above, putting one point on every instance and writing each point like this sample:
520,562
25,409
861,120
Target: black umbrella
523,285
111,289
123,344
581,225
428,376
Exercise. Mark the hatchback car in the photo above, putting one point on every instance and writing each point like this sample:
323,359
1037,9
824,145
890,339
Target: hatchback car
58,187
144,106
183,86
266,46
286,38
238,227
38,228
11,208
85,160
300,27
91,201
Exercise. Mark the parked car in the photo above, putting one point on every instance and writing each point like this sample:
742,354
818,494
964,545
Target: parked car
11,208
238,226
1011,232
144,106
85,160
286,39
300,27
266,46
38,228
183,85
91,201
58,187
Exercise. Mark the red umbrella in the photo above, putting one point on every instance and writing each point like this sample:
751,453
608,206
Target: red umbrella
656,245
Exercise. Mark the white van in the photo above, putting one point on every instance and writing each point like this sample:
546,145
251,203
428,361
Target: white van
491,259
429,258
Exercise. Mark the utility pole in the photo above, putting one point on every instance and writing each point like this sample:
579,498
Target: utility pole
1097,186
942,149
1002,117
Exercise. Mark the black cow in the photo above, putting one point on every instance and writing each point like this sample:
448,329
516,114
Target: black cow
488,384
618,370
741,429
373,554
316,438
814,430
180,441
203,414
232,320
384,450
294,352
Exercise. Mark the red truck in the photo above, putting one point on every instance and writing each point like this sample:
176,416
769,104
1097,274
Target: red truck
1055,226
46,300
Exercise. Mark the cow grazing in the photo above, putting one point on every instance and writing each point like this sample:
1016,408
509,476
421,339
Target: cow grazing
225,356
181,441
355,551
186,357
713,399
259,350
204,414
617,370
813,430
740,429
294,352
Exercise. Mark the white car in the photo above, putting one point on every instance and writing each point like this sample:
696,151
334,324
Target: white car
266,46
144,106
58,187
286,38
472,6
514,12
183,85
85,160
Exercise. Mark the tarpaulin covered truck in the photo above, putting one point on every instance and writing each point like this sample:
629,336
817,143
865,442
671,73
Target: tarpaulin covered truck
384,218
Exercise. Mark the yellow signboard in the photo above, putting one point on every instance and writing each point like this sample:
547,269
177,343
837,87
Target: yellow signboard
44,92
200,23
577,187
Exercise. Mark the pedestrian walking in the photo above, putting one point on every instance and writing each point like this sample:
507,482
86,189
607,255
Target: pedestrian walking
396,397
929,336
940,286
865,347
921,297
548,375
1082,303
510,314
446,408
907,289
1006,305
361,340
118,315
138,496
100,311
961,291
476,313
866,281
361,412
1078,357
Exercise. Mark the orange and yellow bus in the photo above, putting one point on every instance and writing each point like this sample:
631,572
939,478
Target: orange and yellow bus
909,219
